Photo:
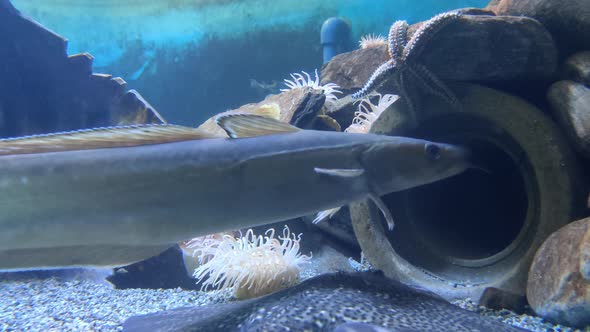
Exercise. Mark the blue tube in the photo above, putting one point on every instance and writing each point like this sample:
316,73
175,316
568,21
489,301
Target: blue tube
335,37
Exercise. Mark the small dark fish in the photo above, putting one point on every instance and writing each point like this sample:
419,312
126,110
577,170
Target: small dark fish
330,302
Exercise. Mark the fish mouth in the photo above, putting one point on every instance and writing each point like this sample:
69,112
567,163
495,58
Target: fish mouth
462,158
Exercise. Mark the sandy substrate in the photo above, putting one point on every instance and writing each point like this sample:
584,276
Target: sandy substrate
86,303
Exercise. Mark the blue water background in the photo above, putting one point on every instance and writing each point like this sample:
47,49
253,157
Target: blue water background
193,59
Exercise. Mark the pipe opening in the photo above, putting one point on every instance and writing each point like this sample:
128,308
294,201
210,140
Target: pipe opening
470,220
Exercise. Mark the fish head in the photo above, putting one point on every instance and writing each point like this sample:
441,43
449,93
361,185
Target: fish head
400,163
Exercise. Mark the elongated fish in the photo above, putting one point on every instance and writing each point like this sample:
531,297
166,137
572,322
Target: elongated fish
114,196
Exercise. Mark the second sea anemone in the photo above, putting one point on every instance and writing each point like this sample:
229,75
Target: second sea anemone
304,80
369,112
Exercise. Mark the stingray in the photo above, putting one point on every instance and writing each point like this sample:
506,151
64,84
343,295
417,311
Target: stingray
362,301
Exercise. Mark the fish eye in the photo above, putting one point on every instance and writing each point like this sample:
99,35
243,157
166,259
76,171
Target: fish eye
432,151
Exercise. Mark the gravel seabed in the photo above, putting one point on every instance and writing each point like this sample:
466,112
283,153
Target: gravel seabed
81,303
528,322
55,304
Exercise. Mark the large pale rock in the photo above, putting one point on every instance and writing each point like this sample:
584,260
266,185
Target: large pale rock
474,48
567,20
559,279
570,102
577,68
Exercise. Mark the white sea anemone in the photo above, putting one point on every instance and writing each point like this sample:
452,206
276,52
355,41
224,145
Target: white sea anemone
371,40
301,81
191,250
369,112
251,265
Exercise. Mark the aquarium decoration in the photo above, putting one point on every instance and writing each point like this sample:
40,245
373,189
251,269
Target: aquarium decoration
466,129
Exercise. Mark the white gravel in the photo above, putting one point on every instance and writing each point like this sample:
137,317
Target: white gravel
86,303
532,323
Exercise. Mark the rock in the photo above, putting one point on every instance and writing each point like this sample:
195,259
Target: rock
567,20
570,102
476,47
498,299
43,90
165,271
81,63
577,68
6,6
338,227
352,70
486,48
298,107
559,279
131,108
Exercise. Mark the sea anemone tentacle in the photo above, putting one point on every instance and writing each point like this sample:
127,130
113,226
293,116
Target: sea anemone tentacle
252,265
304,80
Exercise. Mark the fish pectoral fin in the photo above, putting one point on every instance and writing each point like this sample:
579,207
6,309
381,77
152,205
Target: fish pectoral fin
239,125
326,214
381,205
340,172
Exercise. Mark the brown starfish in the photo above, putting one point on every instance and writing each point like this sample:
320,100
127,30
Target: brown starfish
403,66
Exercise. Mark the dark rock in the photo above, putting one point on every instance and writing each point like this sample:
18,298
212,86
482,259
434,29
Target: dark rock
306,114
559,279
474,48
352,70
498,299
131,108
42,89
338,228
567,20
81,63
7,7
577,68
163,271
570,102
492,48
298,107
